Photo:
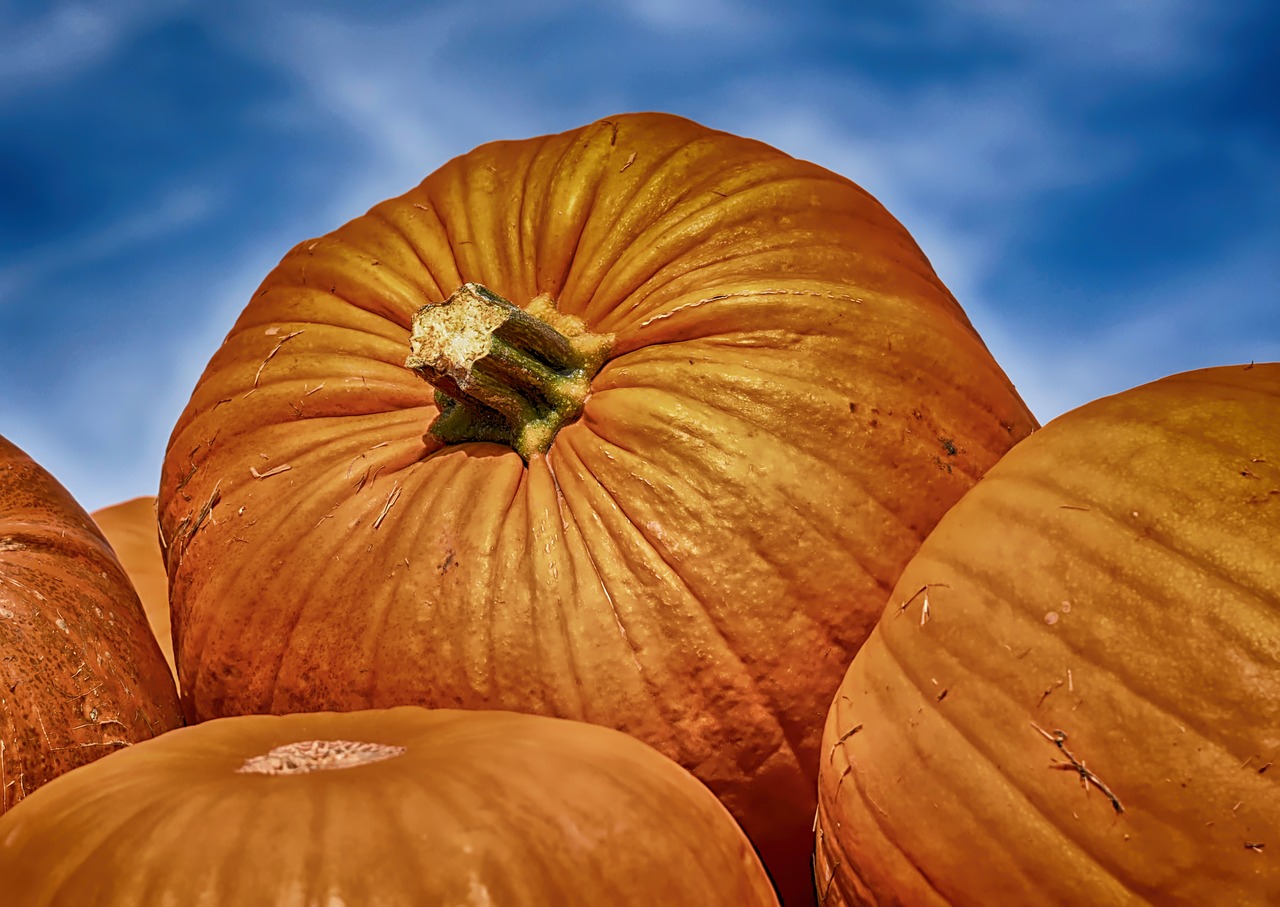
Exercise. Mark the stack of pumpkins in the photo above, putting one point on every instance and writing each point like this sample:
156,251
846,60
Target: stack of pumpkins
561,623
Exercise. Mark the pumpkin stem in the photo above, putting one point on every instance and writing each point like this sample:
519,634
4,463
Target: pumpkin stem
502,373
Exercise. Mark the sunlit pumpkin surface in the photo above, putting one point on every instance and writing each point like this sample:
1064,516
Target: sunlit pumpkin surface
397,808
130,527
790,402
80,673
1073,696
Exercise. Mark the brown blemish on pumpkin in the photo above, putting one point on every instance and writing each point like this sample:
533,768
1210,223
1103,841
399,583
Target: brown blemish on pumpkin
306,756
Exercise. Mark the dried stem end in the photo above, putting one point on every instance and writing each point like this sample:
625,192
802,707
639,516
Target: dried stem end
505,374
308,756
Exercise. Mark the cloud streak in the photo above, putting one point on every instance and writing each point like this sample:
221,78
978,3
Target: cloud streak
985,130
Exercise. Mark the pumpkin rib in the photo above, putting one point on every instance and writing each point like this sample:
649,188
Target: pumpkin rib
994,689
527,278
551,214
455,230
627,207
333,267
760,697
877,820
545,562
770,704
994,776
586,477
570,520
1182,554
718,631
724,417
1099,671
190,667
1098,557
381,214
410,208
644,308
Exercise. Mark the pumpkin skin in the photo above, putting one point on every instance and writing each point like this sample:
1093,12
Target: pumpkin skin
80,674
131,528
462,808
1114,579
791,401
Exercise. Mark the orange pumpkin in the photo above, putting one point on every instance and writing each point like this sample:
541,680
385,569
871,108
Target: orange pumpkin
666,491
1073,696
131,528
381,808
80,674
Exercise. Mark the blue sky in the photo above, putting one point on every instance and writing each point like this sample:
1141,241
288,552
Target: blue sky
1097,182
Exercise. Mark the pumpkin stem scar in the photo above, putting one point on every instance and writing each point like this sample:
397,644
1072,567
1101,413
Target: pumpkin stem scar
1059,739
501,373
308,756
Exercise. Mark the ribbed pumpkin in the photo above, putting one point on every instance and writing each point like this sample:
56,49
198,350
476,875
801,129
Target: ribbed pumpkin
669,488
80,673
381,809
1073,696
131,528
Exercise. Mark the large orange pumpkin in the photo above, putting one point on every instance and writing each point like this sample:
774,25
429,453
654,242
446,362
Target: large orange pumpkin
1073,696
130,527
381,808
740,398
80,673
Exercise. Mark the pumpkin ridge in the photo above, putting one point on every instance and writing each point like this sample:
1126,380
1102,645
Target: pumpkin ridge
382,214
527,278
916,675
1101,556
1073,844
723,416
615,226
456,235
851,867
561,503
336,266
1182,554
771,706
656,223
563,500
584,219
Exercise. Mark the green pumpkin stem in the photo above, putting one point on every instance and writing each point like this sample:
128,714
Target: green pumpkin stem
502,373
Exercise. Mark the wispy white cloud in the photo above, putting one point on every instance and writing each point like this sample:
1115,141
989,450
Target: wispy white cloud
967,163
66,39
